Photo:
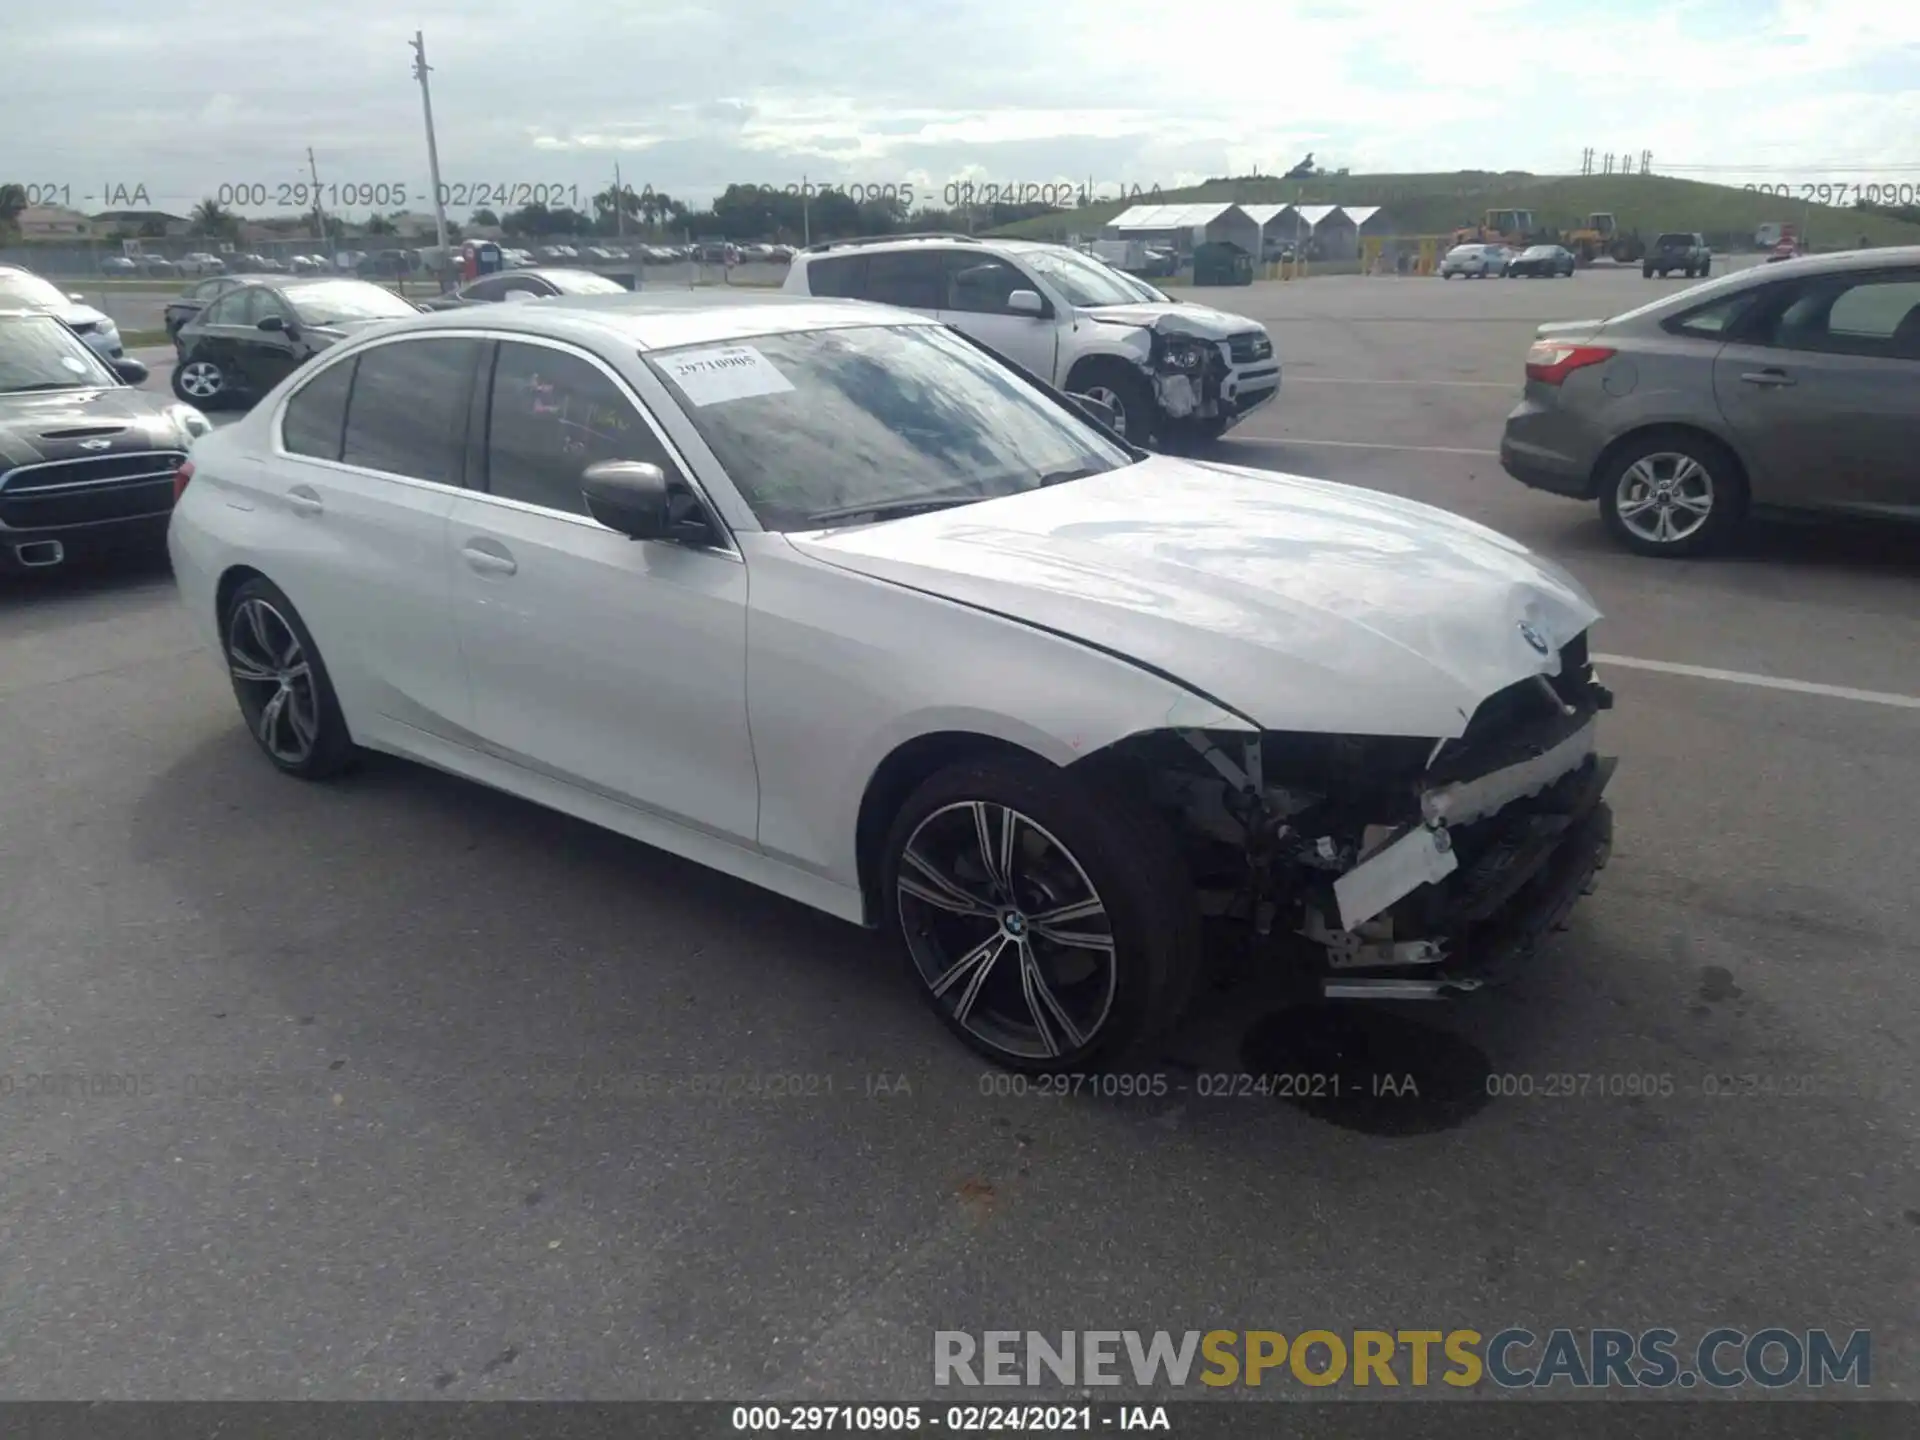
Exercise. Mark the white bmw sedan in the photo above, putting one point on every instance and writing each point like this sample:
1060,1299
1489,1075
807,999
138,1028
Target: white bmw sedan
823,595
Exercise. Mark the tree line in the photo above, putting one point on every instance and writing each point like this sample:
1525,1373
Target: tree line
740,212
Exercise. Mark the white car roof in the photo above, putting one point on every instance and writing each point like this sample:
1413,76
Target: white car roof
658,320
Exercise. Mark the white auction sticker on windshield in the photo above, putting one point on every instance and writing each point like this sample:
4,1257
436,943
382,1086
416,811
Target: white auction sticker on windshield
725,372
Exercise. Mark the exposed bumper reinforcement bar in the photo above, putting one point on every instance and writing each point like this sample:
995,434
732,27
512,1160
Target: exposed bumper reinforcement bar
1498,952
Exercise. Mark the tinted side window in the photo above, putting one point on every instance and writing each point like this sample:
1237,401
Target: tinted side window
1868,316
551,415
843,277
916,279
407,414
316,415
229,309
981,284
491,288
1717,319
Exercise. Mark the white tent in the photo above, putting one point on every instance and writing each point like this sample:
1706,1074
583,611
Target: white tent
1187,225
1360,214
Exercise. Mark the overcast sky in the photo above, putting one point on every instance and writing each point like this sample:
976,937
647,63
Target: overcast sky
185,95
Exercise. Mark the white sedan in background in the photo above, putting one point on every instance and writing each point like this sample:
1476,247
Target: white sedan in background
822,595
1475,262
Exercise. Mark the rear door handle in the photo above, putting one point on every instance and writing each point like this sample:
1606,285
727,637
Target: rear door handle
304,501
488,562
1767,377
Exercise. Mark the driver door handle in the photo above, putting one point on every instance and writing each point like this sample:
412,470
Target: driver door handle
1768,376
488,562
303,501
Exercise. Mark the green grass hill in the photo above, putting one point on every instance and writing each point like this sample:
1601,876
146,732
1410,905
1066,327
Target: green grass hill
1438,203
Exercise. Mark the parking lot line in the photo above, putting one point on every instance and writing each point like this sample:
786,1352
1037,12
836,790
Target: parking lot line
1293,379
1764,682
1364,445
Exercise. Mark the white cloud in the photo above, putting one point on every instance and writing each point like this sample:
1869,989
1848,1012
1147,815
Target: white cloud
862,90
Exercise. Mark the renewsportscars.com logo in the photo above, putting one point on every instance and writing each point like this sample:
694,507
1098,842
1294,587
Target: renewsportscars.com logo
1512,1359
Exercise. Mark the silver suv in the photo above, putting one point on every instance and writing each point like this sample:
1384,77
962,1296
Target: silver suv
1169,370
1784,387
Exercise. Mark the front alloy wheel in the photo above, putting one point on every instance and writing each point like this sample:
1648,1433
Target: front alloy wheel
1050,924
1009,935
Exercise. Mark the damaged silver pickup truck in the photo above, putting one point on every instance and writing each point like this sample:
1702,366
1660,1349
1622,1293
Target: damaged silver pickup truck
1170,372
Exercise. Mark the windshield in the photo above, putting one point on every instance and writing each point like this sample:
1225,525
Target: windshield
1141,288
1540,252
20,287
37,352
826,421
334,300
584,282
1081,280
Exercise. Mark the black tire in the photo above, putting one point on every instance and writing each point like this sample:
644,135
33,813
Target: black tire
1646,272
1706,267
1119,850
1126,390
330,748
219,396
1726,481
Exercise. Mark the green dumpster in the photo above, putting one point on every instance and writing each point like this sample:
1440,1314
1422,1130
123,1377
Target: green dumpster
1220,262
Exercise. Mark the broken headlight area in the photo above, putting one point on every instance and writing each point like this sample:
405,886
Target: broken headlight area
1397,867
1187,373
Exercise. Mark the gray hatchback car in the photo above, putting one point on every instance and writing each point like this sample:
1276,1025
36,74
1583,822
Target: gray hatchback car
1789,387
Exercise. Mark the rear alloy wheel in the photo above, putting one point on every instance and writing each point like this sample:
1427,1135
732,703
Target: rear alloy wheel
1673,496
199,382
1050,929
282,685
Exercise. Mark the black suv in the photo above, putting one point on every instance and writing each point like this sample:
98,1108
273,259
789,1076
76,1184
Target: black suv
1677,250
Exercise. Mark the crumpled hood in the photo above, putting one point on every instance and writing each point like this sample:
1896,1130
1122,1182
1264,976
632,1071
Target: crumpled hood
1174,319
49,425
1302,604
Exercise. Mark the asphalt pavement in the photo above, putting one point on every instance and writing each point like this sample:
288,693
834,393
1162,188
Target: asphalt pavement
423,1079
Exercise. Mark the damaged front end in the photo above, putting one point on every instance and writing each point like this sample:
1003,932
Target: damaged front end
1188,371
1399,868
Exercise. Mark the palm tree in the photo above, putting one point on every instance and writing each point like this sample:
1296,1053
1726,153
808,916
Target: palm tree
13,199
210,218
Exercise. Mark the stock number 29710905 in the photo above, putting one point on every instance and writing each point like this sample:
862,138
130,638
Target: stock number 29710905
1842,192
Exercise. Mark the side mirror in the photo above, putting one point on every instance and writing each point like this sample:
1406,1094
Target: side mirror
629,496
273,322
1026,302
131,370
1099,411
77,297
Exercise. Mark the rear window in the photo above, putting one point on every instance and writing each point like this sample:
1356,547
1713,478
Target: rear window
1674,242
841,277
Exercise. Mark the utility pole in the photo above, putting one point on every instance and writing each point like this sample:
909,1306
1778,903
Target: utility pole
319,215
619,204
420,69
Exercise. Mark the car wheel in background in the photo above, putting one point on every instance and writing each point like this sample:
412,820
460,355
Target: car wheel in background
1049,926
281,683
1115,384
1673,493
200,383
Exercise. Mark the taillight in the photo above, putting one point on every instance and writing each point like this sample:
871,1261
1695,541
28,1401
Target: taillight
180,479
1551,361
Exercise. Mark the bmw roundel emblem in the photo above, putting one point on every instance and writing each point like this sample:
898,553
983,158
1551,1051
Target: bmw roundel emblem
1534,638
